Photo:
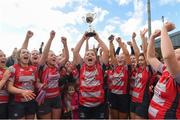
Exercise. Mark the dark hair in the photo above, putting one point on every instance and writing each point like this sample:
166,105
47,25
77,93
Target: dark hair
141,54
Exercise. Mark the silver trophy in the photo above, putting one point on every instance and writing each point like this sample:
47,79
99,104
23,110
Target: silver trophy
89,18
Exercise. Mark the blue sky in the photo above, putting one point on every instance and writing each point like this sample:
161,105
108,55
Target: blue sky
118,17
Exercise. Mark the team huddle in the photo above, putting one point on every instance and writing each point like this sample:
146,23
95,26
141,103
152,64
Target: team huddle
106,83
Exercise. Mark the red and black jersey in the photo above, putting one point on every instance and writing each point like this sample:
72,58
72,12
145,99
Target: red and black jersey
23,78
91,86
3,92
141,84
51,76
165,103
118,80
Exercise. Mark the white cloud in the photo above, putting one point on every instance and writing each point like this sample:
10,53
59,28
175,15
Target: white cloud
135,21
123,2
42,16
164,2
24,13
156,24
100,13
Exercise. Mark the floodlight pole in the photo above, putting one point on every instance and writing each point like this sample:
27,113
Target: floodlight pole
149,17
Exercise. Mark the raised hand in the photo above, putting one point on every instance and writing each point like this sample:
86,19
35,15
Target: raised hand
85,36
169,26
64,40
29,34
143,32
111,38
133,35
119,40
96,36
28,95
129,43
52,34
156,33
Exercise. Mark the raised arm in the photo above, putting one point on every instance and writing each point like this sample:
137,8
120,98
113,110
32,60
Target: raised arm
76,50
29,34
112,51
124,49
167,50
144,42
151,56
131,47
47,48
87,44
135,47
65,52
105,55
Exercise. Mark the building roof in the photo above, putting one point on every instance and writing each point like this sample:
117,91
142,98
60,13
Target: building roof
175,38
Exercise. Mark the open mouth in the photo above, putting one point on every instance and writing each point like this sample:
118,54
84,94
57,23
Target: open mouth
35,58
54,60
3,62
120,61
89,60
26,58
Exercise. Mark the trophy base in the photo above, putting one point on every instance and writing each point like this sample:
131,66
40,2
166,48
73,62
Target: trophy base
90,34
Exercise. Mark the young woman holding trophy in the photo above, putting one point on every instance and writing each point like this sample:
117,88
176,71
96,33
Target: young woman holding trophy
91,92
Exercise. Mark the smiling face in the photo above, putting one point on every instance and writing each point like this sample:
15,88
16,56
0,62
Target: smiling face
121,59
2,59
35,57
142,61
90,58
133,61
51,60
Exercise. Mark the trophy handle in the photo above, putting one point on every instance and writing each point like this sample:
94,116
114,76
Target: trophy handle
95,15
84,19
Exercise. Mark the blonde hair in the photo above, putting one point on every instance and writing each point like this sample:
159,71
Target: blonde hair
18,54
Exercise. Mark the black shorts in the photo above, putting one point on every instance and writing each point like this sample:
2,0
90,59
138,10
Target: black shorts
4,111
48,105
140,109
119,102
97,112
17,110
